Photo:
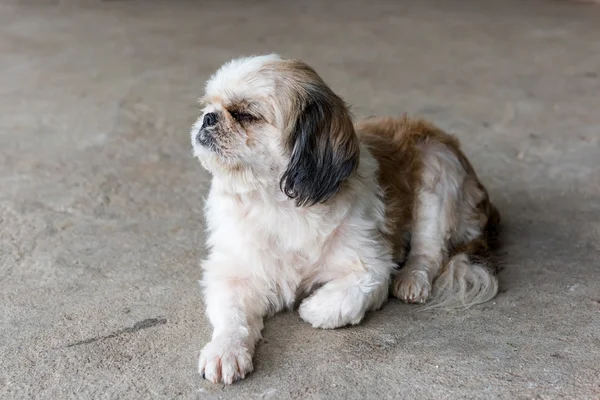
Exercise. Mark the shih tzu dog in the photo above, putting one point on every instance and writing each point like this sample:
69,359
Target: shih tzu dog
306,206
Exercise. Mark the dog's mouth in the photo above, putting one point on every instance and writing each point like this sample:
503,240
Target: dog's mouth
205,138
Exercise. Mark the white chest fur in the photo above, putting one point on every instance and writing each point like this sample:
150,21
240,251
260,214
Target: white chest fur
262,234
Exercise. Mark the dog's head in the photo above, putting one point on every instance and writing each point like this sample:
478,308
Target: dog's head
268,120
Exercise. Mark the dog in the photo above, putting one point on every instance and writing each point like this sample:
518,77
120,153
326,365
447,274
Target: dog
304,205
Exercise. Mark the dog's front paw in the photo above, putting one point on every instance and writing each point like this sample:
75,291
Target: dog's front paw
412,286
225,360
330,308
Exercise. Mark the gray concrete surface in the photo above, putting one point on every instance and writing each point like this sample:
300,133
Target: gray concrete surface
100,199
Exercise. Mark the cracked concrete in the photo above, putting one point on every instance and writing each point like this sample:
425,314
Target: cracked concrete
100,199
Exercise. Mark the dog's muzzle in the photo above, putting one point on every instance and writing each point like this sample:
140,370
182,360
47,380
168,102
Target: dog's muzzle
204,137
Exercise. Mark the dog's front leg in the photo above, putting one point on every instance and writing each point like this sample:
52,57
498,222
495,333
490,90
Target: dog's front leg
235,306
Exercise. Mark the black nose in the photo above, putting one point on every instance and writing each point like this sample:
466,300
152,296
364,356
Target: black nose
210,119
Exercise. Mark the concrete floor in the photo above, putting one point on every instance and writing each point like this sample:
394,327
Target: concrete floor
100,199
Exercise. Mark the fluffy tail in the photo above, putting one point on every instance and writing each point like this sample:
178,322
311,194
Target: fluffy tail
469,277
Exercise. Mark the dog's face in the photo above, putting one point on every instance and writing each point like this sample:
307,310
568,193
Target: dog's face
268,121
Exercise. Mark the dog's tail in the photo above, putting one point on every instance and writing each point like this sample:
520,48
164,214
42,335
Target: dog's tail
469,277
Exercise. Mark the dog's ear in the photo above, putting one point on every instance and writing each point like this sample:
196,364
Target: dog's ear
323,146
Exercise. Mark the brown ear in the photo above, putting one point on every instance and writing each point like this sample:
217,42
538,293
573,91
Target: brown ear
324,148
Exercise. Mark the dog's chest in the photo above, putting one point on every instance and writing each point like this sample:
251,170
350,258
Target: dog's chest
282,227
272,227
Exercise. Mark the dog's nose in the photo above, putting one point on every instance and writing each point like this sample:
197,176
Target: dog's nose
210,119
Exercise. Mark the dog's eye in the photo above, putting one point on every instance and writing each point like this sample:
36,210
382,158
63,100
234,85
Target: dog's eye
241,116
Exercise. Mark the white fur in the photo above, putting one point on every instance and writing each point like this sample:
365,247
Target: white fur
231,77
463,284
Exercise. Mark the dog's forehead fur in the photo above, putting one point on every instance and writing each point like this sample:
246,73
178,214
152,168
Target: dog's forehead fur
240,78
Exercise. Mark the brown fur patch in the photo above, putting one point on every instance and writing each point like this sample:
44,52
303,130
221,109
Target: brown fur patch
397,145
